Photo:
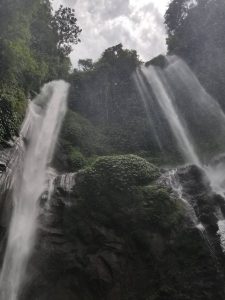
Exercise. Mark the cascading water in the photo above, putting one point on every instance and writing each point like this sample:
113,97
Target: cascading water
172,181
192,114
189,119
143,91
205,115
198,115
155,78
39,134
177,188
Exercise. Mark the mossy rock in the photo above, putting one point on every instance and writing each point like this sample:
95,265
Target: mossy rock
162,210
119,173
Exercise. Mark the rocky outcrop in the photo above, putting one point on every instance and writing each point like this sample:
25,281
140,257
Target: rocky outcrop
198,191
101,240
208,207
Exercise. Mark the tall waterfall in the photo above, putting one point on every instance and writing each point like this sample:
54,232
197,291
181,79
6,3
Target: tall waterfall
192,115
158,83
176,94
39,135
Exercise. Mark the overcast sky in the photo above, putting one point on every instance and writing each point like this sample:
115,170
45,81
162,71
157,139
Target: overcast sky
137,24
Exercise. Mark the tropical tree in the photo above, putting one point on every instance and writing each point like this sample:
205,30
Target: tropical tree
68,31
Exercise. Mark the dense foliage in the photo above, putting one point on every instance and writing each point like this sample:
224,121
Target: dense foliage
34,44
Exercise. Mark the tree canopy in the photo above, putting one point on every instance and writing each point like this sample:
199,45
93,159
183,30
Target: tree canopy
65,24
34,46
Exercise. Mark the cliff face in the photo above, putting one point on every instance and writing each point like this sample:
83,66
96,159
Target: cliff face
117,231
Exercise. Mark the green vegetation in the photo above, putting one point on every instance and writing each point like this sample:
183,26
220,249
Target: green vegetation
113,119
82,134
118,173
34,48
12,109
126,185
77,160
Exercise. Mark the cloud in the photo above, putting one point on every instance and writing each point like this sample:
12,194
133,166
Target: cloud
108,22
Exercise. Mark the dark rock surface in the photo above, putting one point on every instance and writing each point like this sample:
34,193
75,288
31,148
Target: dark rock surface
114,232
2,167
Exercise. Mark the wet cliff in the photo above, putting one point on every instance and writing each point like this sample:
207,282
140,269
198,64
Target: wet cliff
117,230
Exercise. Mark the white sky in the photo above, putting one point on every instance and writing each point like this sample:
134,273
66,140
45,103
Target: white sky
137,24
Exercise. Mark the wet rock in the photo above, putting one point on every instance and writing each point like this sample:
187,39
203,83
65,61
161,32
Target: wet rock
2,167
121,244
208,206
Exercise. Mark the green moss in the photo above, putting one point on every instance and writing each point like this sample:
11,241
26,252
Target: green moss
125,185
118,173
164,212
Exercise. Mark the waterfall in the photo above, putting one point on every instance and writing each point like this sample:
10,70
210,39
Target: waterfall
194,118
173,182
171,179
221,233
38,135
158,84
192,115
149,108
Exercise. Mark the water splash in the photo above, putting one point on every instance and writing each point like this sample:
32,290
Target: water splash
39,134
173,182
67,182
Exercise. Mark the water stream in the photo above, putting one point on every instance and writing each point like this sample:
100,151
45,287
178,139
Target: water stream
173,182
37,139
